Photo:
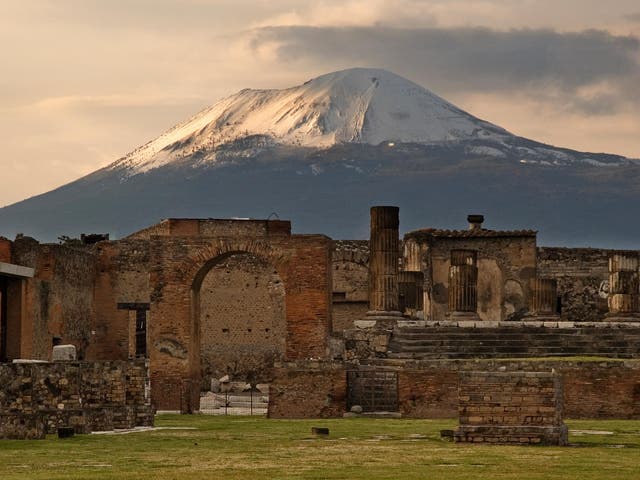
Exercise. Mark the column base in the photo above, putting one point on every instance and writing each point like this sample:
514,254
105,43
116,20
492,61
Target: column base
622,317
463,316
379,319
541,317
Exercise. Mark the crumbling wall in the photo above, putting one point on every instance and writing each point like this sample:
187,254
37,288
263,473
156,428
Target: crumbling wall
59,298
242,319
350,269
583,279
122,277
506,264
86,396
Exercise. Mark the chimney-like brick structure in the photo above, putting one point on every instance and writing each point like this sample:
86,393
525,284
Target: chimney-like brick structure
475,221
384,252
463,284
624,288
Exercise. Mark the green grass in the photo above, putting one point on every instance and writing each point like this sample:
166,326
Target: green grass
371,449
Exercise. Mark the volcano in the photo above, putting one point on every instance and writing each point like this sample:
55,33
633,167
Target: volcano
322,152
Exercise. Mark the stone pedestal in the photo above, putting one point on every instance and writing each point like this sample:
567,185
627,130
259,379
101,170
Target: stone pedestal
624,288
463,285
63,353
384,252
523,408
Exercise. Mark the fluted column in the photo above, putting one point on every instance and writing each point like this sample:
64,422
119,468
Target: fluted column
383,262
544,296
624,287
463,284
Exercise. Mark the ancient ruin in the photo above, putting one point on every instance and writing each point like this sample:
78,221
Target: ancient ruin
395,321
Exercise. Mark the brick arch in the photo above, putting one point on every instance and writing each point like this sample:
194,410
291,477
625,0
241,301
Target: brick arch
178,267
197,265
200,263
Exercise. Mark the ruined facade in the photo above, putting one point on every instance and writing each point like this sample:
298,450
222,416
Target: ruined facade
203,298
156,294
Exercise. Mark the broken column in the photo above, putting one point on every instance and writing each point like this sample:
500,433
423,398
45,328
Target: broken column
463,285
544,297
384,252
624,288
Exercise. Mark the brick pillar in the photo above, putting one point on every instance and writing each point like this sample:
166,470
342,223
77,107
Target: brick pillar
624,288
463,284
384,252
544,295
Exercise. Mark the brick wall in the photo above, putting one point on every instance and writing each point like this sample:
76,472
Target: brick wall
87,396
5,250
428,389
510,407
214,228
122,276
242,319
180,265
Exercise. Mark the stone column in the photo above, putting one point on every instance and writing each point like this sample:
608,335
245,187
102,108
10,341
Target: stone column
624,288
384,253
544,296
463,285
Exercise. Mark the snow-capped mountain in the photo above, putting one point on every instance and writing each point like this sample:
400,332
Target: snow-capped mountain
323,152
358,105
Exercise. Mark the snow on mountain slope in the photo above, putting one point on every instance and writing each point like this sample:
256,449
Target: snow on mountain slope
358,105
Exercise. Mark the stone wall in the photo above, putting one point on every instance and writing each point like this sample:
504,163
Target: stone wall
429,389
583,279
59,299
87,396
308,390
242,319
510,408
350,269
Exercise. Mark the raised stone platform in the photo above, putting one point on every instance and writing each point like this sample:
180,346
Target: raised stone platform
515,340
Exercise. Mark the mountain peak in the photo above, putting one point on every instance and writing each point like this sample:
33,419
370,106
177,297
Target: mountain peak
357,105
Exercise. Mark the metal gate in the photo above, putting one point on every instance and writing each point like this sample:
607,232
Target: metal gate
373,390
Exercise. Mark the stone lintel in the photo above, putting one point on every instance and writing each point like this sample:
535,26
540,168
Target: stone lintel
16,270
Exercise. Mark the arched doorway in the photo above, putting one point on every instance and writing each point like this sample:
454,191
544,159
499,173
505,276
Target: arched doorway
241,318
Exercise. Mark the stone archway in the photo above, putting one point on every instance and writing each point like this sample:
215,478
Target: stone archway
177,272
241,318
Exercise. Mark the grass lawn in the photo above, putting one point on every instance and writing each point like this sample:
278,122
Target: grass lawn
371,449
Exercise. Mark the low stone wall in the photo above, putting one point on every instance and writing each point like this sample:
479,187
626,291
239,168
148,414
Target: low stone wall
510,407
37,398
429,388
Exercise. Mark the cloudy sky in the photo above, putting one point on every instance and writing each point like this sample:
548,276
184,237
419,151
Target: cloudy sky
85,81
